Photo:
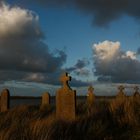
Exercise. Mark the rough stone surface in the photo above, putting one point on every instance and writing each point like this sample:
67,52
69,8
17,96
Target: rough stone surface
45,99
65,100
90,96
5,100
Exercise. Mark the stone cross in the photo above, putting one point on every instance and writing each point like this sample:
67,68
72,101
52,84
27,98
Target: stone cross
64,79
5,100
136,93
45,100
136,88
90,96
121,88
65,100
121,91
90,89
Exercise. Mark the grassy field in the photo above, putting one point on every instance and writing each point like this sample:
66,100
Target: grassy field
115,119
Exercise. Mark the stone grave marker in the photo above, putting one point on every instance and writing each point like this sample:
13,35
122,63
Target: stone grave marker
90,96
45,99
5,100
136,93
121,91
65,100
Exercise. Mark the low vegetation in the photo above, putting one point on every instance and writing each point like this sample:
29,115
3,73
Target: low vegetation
115,119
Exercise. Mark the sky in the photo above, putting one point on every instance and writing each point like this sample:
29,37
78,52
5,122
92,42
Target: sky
95,41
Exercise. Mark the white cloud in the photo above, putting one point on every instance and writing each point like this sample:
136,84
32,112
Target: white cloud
131,54
106,49
109,51
113,64
14,21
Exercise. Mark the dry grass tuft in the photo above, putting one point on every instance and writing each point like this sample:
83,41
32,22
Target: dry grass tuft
117,119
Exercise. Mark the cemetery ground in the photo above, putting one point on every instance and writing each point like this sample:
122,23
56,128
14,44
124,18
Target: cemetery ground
105,119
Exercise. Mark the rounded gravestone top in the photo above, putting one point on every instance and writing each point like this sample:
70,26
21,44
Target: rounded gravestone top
90,89
4,91
121,87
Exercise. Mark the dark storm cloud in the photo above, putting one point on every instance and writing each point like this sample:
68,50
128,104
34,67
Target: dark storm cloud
23,54
138,51
102,11
29,56
55,79
81,63
114,65
123,70
79,68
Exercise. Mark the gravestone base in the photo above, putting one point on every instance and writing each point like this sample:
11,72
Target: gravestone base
66,104
5,100
90,99
45,100
90,96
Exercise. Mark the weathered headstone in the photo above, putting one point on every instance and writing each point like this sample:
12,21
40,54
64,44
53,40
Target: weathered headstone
45,99
121,91
65,100
90,96
5,100
136,93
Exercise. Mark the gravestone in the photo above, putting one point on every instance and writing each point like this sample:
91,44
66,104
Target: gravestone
65,100
136,93
121,91
5,100
45,99
90,96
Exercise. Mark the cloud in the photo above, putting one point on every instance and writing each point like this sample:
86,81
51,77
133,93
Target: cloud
138,51
80,68
103,12
81,63
106,50
19,23
82,72
114,65
34,77
23,53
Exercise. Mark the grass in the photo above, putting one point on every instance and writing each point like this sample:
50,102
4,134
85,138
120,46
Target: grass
115,119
